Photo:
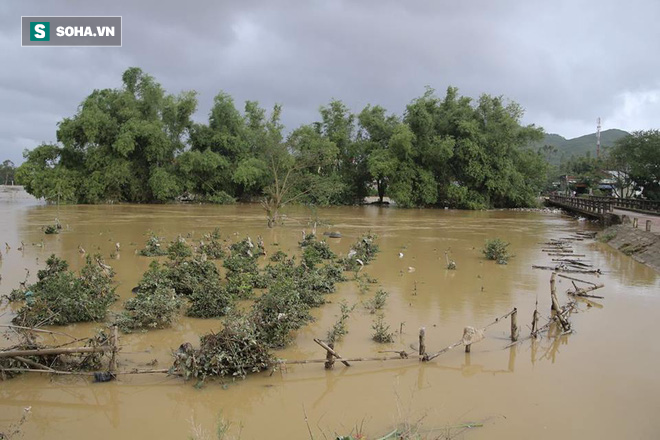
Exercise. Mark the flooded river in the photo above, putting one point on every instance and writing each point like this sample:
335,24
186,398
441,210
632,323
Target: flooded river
600,382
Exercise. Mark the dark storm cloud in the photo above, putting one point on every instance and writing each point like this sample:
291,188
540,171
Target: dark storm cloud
566,62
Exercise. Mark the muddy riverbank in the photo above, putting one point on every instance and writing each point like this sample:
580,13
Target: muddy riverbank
599,382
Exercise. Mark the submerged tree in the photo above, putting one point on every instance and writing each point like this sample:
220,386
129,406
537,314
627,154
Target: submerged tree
119,146
295,168
138,143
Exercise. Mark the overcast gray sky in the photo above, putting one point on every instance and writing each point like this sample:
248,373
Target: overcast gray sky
566,62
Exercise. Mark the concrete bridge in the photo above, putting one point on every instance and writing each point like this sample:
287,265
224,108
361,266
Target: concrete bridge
610,210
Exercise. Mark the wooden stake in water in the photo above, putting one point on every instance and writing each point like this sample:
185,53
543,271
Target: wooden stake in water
329,358
515,331
115,343
422,343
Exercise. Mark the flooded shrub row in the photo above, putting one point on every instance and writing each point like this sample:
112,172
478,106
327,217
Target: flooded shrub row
293,290
289,287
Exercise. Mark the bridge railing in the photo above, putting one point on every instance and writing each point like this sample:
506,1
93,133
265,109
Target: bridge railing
593,205
634,204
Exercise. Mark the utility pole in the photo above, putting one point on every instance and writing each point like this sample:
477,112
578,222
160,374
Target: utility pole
598,137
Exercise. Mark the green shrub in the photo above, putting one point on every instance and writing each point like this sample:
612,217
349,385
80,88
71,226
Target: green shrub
496,249
211,246
51,229
59,297
363,251
150,309
153,247
179,249
315,251
241,285
187,275
278,257
234,351
278,312
339,329
377,302
210,301
221,198
382,333
607,237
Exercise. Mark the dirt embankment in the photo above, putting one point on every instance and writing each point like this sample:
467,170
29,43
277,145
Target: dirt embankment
642,246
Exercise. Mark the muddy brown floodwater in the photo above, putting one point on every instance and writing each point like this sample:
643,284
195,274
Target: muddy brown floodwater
600,382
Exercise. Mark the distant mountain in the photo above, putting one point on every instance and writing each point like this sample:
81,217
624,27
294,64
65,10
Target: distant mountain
579,146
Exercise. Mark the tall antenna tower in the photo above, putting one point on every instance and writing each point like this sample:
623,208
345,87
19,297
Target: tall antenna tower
598,137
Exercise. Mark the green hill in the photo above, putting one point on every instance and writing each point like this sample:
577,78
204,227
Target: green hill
579,146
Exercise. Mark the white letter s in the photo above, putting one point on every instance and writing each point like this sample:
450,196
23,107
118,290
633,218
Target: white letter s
39,31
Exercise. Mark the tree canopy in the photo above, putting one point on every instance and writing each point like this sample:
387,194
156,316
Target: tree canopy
637,159
139,144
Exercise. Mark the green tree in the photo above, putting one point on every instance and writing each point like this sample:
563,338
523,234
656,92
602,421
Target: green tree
338,126
295,167
123,141
7,170
639,155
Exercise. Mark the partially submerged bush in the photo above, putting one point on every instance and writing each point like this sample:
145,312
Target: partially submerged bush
382,333
179,249
234,351
242,269
187,275
278,312
339,329
60,297
242,259
156,303
210,301
152,307
377,302
54,228
278,257
153,247
315,251
211,246
221,198
242,346
362,252
51,229
241,285
496,249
